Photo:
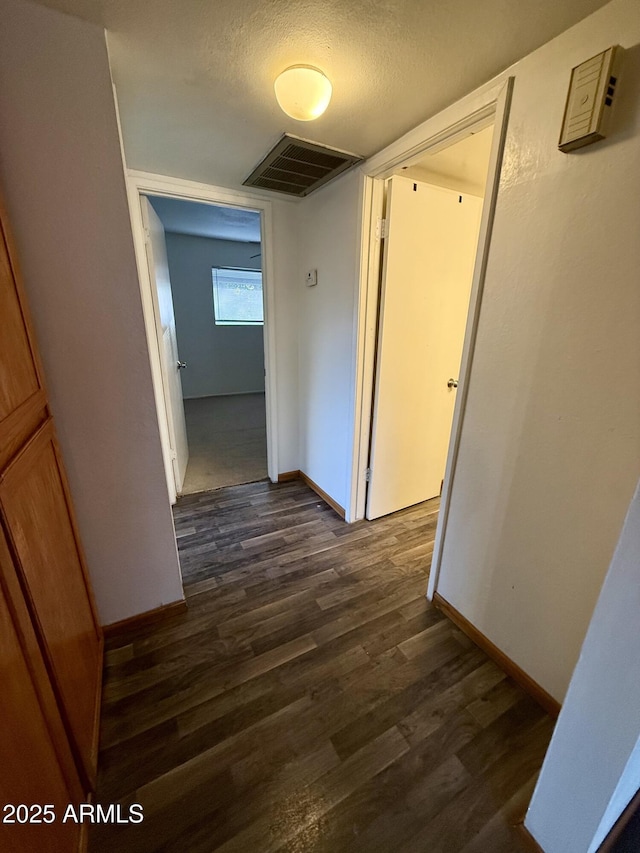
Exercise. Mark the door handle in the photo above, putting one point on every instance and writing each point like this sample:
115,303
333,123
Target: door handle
452,383
181,365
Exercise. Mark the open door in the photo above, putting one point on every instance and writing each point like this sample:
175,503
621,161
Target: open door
429,253
165,323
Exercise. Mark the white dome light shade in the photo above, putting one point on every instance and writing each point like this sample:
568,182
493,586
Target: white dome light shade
303,92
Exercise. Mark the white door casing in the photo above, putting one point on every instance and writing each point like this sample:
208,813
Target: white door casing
428,261
165,324
144,183
488,105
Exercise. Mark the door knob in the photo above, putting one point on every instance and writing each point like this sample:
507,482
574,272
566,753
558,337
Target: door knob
181,365
452,383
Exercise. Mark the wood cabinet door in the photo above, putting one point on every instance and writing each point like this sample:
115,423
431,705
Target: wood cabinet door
22,396
37,765
36,510
37,517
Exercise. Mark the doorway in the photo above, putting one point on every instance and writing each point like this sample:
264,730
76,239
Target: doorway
214,278
490,107
432,221
205,272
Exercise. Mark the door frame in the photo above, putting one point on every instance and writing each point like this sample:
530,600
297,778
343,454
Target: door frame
172,440
146,184
388,488
488,105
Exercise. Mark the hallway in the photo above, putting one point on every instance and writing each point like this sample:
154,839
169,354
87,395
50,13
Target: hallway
311,699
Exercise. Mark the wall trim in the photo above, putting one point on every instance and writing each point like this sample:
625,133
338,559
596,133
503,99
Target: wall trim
527,839
486,105
325,497
287,476
546,700
365,340
144,184
225,394
149,617
502,106
451,124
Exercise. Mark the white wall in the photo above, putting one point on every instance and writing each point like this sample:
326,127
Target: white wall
285,215
592,768
62,176
220,359
626,789
329,241
421,173
550,446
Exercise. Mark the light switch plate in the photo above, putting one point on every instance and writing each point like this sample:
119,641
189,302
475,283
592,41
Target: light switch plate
312,278
591,95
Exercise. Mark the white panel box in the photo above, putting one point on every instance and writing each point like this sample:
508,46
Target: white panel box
590,100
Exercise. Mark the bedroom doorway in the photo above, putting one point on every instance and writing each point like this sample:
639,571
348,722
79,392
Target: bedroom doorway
214,275
207,300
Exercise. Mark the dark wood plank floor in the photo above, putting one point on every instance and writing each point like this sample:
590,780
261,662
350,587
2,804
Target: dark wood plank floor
311,699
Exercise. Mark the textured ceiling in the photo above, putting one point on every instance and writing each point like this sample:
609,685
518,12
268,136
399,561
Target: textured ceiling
207,220
195,77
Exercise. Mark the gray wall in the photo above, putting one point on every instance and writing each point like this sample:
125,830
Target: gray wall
592,768
220,359
61,172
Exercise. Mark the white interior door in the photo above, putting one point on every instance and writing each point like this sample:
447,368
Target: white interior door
429,253
167,341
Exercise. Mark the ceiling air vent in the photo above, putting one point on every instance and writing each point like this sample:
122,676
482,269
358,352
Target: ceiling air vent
298,167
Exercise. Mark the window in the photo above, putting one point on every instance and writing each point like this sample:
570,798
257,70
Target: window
237,297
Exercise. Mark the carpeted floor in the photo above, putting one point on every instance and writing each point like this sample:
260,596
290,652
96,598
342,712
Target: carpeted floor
227,441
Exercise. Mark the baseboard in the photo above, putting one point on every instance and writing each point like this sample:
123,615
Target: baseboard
550,705
287,476
325,497
527,839
147,618
225,394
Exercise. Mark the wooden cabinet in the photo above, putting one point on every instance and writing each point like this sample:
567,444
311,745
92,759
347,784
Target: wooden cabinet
50,639
23,404
35,507
37,764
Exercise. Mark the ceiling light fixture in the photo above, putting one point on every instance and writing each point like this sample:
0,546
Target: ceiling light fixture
303,92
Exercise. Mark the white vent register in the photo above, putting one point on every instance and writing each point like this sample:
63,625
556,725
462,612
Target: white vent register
591,96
